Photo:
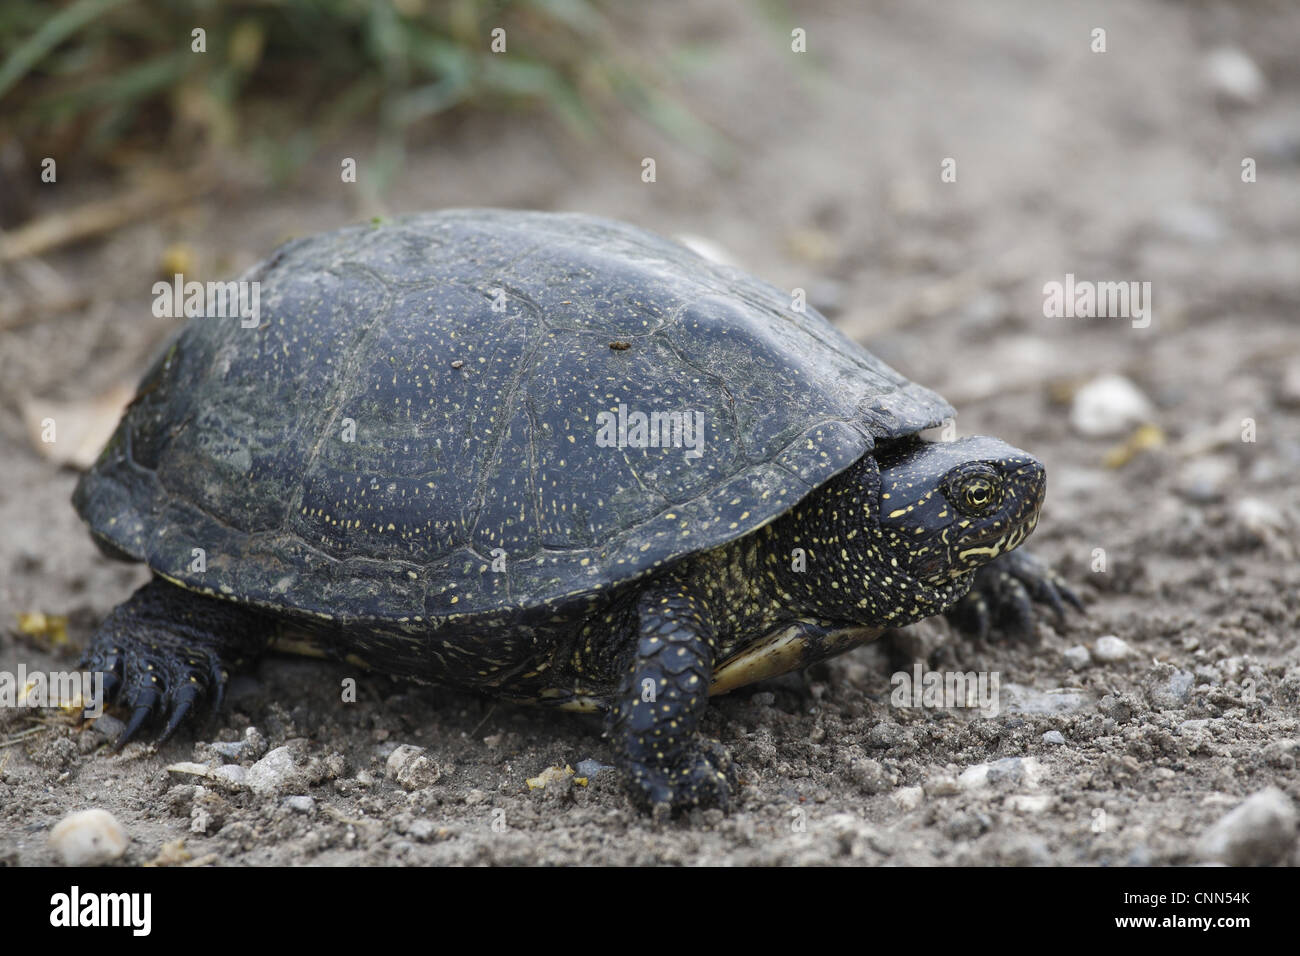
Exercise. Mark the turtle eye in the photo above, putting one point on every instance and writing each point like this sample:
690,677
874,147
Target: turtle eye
976,490
978,494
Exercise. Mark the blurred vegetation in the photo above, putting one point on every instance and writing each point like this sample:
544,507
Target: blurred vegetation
100,78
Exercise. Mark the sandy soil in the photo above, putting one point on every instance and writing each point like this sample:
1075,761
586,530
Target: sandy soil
1115,166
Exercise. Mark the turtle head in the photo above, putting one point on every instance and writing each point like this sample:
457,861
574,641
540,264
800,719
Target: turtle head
946,508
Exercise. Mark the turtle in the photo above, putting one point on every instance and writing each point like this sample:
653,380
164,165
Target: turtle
549,457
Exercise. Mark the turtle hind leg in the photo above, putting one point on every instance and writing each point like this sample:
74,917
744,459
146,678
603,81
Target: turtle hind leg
1004,594
165,649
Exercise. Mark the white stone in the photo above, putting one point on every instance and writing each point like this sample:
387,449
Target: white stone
1261,518
1206,479
231,773
1233,75
941,786
1077,657
1108,406
975,777
1028,802
272,772
1259,832
1110,649
88,838
908,798
410,767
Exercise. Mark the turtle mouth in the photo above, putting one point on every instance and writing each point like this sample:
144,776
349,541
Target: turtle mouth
1008,535
984,550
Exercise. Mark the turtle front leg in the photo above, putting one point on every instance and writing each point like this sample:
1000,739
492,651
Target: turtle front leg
1004,593
164,649
664,690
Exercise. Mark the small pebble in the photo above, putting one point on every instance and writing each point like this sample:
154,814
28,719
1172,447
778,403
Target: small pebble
423,830
1259,832
1118,708
1077,657
273,772
870,776
88,838
230,749
1207,479
254,744
1007,771
1054,737
302,804
1015,771
109,726
1260,517
589,767
1110,649
908,798
231,773
1190,222
974,777
410,767
1018,699
884,735
1169,688
1263,523
1109,406
1028,802
1234,76
941,787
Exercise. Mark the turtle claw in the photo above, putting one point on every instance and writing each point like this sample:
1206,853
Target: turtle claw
218,677
144,709
1065,591
1018,608
159,685
156,682
1004,594
162,651
183,700
980,620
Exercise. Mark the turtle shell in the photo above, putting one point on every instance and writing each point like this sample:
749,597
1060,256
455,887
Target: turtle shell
413,431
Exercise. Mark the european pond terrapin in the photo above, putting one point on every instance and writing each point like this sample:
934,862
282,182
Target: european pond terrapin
549,457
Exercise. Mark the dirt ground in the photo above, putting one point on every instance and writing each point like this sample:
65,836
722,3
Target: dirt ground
1181,536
